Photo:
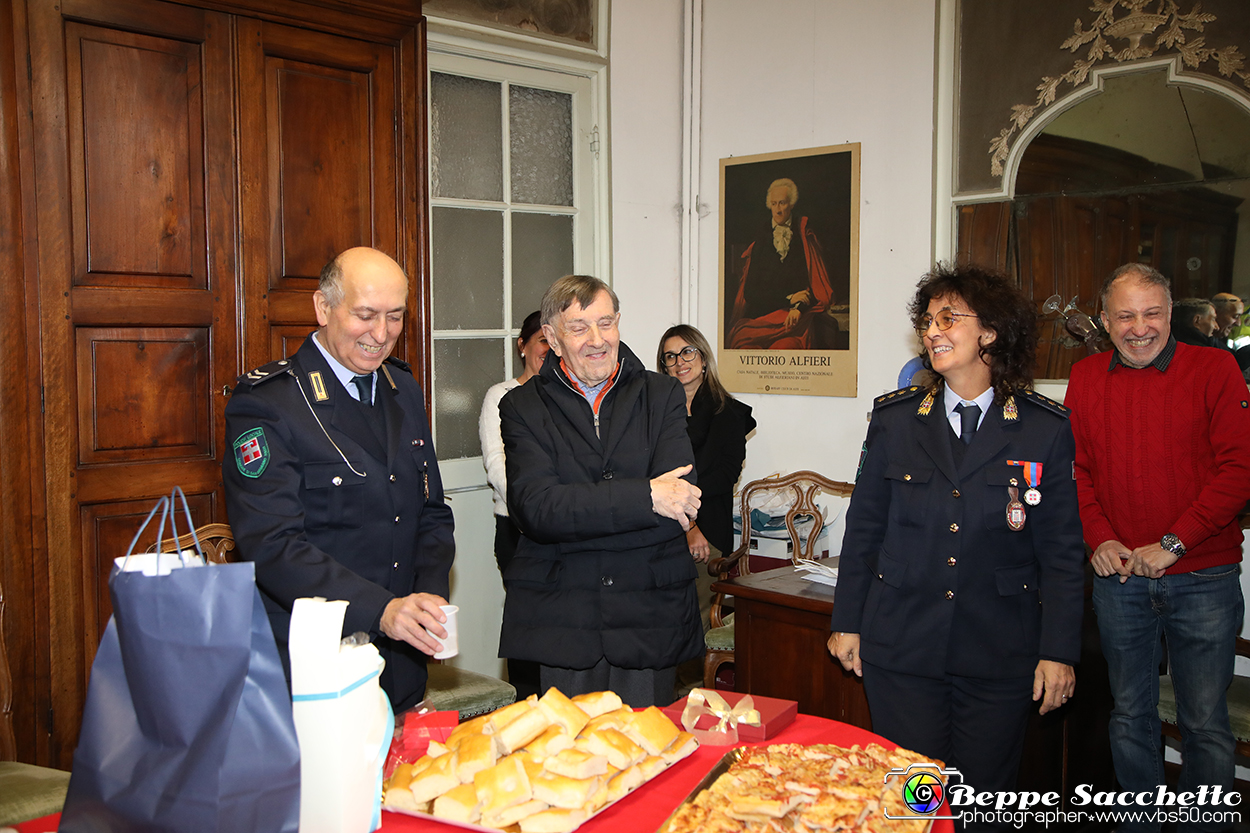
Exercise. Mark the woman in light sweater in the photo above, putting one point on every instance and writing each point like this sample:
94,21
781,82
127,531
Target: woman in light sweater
532,345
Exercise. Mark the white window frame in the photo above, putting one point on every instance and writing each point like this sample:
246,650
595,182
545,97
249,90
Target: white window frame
476,52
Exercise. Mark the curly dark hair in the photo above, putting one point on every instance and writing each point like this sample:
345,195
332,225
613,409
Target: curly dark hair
1001,308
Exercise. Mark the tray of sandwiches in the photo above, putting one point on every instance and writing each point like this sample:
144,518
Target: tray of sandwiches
541,765
812,788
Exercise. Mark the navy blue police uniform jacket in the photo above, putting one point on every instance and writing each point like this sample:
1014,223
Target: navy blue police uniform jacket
932,576
325,508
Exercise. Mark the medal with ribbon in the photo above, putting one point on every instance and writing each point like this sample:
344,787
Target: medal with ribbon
1032,476
704,701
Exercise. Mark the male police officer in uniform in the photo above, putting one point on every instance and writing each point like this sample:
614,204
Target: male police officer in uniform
332,486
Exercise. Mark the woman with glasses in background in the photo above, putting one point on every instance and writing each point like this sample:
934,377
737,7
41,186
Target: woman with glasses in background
718,426
962,571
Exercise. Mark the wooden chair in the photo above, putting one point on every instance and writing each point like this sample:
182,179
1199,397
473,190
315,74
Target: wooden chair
1238,705
26,791
804,486
216,540
449,688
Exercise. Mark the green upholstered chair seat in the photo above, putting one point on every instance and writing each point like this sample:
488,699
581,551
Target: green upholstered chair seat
722,638
1238,705
29,792
471,694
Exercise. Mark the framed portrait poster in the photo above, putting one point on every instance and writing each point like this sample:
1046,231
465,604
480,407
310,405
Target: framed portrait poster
789,288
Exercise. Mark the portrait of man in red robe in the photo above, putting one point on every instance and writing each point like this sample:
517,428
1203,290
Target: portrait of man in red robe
784,291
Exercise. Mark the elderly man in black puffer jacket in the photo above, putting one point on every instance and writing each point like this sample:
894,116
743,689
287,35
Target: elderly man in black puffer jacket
601,591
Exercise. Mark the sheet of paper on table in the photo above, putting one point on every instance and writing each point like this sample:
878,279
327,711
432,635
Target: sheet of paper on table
816,571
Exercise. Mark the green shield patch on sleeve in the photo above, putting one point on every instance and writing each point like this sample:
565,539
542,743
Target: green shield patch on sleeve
251,453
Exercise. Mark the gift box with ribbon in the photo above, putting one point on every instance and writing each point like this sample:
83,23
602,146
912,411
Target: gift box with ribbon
722,718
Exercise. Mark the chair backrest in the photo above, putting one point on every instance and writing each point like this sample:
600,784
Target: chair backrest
8,742
803,486
216,540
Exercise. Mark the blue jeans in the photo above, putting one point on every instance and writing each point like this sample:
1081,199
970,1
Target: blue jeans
1199,613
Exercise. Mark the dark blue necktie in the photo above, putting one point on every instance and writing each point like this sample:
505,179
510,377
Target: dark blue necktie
969,416
364,384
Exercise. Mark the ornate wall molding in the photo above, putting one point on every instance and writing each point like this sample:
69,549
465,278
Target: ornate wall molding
1129,37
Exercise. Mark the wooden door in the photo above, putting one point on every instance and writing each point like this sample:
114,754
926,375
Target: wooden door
135,192
319,126
151,280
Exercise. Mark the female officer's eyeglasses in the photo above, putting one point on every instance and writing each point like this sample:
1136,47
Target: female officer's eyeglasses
687,355
945,320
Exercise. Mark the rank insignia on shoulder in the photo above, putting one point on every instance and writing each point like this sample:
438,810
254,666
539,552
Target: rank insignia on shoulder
265,372
900,395
251,453
1045,401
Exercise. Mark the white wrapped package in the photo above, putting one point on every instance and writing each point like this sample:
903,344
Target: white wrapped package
343,720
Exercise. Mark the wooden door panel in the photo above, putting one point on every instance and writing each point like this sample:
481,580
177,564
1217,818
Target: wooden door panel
132,110
318,165
322,166
107,530
143,394
286,340
139,212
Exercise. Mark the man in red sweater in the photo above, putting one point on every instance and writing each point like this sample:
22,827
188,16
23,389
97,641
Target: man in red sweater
1162,469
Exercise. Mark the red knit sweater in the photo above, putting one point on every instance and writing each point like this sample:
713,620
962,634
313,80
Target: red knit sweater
1163,451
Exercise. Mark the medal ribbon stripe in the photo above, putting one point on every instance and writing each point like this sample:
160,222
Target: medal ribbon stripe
1032,471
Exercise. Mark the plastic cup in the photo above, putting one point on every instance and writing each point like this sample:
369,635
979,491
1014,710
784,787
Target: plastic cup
451,643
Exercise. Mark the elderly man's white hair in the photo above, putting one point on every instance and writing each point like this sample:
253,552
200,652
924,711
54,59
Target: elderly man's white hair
788,184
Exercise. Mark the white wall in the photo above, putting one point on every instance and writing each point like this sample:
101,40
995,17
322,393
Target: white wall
645,143
778,76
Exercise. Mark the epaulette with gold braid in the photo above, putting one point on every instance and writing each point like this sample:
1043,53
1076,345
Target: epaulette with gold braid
900,395
1045,401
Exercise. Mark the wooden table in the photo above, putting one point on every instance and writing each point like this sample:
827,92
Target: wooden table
645,809
781,627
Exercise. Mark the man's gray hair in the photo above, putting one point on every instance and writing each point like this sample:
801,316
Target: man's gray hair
581,288
331,283
1187,308
1224,301
788,184
1143,272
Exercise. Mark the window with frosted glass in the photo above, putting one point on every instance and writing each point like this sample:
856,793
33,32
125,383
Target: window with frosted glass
504,218
468,283
542,251
541,136
464,368
466,138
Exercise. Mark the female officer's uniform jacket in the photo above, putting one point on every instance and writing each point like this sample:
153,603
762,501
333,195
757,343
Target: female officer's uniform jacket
932,576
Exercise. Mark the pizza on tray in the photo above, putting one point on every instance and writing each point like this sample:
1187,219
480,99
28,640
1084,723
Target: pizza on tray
807,789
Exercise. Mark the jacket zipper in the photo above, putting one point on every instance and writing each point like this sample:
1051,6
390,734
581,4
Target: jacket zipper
593,412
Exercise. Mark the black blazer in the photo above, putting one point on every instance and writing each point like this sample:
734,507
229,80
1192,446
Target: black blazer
314,526
720,447
932,577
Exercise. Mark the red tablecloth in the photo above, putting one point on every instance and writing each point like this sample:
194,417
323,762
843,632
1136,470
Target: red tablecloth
645,809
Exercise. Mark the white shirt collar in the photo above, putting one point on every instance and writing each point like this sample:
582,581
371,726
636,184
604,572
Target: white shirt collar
342,373
950,399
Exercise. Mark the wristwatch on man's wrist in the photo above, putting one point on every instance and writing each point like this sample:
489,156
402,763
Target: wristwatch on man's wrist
1172,544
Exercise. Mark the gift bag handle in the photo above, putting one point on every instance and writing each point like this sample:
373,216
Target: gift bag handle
175,497
161,506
